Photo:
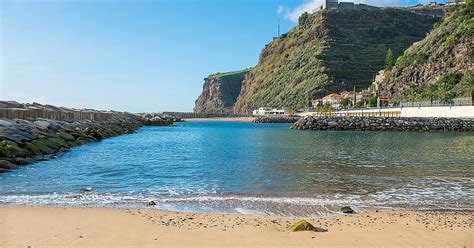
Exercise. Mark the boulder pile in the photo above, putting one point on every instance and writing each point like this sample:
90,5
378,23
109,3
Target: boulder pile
26,141
157,119
384,124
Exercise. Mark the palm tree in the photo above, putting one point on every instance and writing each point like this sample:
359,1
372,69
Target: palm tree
468,82
445,91
411,95
431,91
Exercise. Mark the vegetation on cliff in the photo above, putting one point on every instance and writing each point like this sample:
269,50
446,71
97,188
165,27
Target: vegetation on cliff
220,92
441,65
328,51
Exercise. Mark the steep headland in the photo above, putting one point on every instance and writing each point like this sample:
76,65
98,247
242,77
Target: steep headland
447,49
220,92
328,51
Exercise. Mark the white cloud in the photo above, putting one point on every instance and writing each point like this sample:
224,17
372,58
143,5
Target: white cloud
280,9
311,6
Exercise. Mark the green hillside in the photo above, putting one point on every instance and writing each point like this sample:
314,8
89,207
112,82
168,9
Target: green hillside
446,54
328,51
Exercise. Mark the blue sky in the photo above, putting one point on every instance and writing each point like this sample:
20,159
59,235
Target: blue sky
133,55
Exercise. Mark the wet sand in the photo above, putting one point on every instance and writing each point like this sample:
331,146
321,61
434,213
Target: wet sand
241,119
25,226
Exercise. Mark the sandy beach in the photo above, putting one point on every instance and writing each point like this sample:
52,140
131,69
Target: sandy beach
244,119
26,226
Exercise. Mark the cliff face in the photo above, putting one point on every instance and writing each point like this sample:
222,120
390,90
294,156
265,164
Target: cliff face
328,51
220,92
447,49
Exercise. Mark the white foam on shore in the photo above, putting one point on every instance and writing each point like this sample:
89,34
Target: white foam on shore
256,205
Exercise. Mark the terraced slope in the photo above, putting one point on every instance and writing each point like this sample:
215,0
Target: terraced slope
328,51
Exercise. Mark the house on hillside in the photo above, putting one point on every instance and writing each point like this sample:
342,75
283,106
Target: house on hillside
333,99
435,4
335,4
451,2
347,94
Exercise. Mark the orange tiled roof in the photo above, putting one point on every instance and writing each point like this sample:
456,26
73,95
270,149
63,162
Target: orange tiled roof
333,95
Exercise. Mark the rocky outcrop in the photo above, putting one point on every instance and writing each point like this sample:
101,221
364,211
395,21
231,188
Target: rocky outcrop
26,141
329,51
384,124
220,92
276,119
158,119
447,49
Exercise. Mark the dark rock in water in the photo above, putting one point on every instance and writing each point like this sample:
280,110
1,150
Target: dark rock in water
34,150
66,136
151,203
23,161
85,189
303,225
9,149
347,210
42,146
4,164
156,119
58,143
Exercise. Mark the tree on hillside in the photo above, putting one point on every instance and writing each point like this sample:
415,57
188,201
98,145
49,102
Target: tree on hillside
431,92
372,101
467,82
303,17
389,60
411,94
345,103
325,109
446,85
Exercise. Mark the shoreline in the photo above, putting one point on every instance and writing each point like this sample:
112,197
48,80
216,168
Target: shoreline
45,226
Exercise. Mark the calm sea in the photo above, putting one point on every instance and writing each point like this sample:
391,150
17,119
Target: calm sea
255,168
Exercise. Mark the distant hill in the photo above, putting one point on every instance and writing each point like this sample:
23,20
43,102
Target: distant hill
331,50
446,51
220,92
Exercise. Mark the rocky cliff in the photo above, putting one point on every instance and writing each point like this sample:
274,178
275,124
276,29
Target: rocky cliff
220,92
328,51
447,49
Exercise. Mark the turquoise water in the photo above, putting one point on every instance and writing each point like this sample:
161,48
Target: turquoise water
255,168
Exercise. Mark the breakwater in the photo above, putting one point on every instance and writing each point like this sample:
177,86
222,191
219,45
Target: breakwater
157,119
33,132
276,119
26,141
384,124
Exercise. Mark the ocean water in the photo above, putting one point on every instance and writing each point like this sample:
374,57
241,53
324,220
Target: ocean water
264,169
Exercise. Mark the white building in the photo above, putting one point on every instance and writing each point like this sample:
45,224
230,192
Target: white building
333,99
270,111
450,2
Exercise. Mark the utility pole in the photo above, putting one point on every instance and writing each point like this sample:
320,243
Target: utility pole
278,27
